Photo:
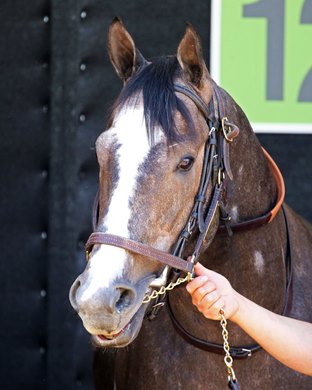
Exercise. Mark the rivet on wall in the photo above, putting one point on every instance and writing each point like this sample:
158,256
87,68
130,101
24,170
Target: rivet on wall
42,350
83,67
43,293
82,118
46,19
44,174
44,235
83,14
45,108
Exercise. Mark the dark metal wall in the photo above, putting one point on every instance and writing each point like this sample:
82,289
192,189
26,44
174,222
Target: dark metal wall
24,215
55,86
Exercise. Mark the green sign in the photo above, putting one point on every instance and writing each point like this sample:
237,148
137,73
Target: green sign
261,52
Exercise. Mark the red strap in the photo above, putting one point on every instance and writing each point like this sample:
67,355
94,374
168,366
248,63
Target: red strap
279,184
269,216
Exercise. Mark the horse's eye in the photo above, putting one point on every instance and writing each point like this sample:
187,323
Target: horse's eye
186,163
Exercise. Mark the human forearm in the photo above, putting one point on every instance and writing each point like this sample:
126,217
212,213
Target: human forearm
286,339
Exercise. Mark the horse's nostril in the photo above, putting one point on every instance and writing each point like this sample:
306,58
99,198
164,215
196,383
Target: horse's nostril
125,299
73,294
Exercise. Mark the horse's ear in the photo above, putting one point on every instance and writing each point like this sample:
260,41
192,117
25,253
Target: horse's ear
191,59
123,54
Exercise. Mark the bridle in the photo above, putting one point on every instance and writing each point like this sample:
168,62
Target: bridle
215,168
215,171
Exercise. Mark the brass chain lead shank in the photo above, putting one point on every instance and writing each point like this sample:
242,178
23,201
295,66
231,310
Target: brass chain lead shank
155,293
228,360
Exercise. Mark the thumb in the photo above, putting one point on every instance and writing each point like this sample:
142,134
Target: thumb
200,270
219,280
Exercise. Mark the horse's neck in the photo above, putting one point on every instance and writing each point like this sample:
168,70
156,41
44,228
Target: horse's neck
252,260
252,192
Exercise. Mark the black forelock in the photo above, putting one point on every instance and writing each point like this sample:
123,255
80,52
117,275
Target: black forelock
156,83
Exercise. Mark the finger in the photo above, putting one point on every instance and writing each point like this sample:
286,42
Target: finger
196,283
213,312
207,302
207,291
209,299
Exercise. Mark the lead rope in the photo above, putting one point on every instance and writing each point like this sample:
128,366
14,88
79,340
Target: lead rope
156,293
228,360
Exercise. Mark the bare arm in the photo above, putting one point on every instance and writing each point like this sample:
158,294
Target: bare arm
286,339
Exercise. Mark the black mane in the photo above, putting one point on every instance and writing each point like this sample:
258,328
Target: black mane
156,82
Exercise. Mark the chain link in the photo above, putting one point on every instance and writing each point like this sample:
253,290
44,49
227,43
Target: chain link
228,360
155,293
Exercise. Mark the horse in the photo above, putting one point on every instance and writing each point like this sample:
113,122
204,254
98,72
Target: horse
183,178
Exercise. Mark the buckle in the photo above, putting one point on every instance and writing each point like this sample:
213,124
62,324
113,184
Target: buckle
226,132
249,352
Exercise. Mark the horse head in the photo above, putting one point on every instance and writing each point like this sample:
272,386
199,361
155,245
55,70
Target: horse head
150,158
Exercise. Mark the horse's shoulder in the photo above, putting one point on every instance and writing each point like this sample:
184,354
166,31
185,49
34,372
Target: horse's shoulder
298,225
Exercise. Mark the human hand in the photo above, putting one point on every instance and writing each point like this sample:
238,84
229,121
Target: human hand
212,292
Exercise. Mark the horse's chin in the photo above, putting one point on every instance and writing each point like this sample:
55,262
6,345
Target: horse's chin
122,337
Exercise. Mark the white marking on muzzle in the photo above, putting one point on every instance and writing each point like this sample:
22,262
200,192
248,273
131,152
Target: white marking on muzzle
106,265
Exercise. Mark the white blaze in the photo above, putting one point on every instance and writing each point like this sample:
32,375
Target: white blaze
129,131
